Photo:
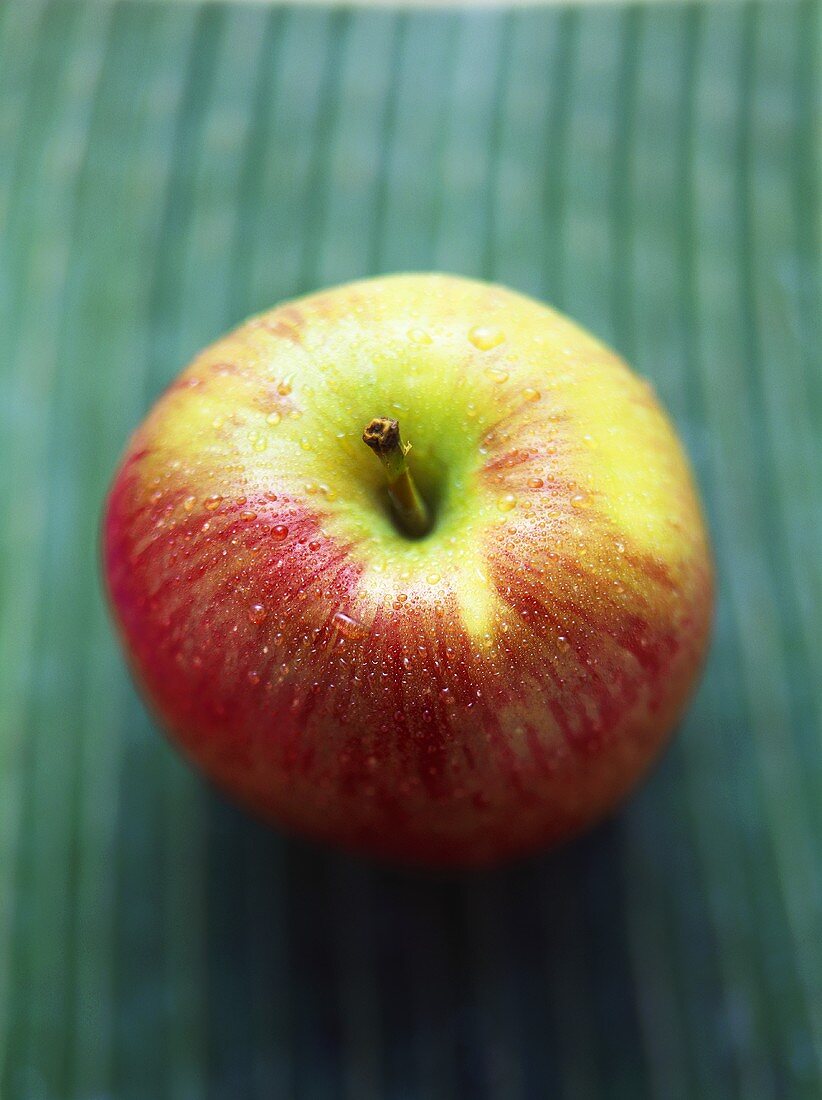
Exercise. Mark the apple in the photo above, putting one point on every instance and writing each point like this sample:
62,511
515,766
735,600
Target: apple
415,566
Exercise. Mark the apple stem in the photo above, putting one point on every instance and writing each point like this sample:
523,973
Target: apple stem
383,437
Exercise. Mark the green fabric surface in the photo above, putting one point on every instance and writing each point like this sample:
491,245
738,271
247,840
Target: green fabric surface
166,170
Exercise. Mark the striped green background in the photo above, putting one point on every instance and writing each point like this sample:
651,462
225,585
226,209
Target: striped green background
166,170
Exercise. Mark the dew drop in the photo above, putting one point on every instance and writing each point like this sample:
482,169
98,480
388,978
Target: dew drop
260,444
507,503
212,503
189,503
579,500
257,614
314,546
348,626
530,394
535,483
248,516
253,678
497,376
485,337
433,578
273,419
284,389
278,532
419,336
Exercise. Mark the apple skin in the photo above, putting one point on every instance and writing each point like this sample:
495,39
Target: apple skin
488,690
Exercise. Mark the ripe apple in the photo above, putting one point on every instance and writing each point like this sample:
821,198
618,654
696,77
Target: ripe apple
414,565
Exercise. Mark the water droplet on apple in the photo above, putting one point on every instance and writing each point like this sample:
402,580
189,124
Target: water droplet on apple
278,532
273,419
284,389
535,483
530,394
260,444
253,677
257,614
248,516
418,336
620,547
507,503
497,376
314,546
485,337
580,500
348,626
212,503
433,578
189,503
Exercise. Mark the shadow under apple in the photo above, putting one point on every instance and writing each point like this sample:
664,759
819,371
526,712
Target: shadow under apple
326,969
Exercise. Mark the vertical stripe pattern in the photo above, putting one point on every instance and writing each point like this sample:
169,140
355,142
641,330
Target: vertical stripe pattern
166,170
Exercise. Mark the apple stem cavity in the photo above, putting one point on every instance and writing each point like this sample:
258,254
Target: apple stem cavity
382,435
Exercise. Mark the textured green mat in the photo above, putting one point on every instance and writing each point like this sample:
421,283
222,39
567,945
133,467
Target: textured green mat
166,170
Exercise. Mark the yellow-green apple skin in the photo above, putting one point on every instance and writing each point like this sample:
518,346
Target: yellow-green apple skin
475,694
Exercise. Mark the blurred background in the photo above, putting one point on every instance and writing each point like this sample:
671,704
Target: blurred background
167,169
